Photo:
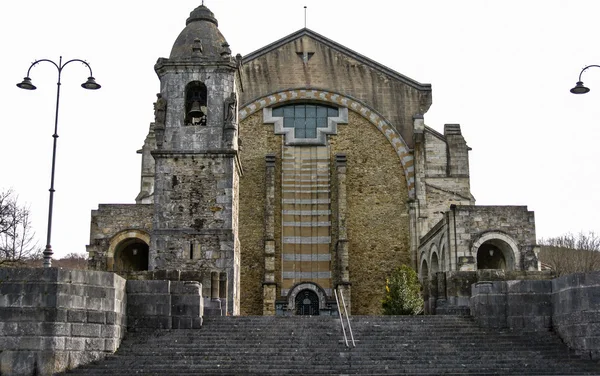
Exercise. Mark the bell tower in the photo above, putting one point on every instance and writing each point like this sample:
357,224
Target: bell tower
197,169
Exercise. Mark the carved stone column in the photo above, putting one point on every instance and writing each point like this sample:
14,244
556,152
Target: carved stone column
342,243
269,285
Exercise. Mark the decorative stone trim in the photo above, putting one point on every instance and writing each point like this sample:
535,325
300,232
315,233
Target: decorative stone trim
290,138
398,143
269,286
306,286
342,244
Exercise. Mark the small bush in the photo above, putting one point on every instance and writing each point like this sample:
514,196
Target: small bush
402,293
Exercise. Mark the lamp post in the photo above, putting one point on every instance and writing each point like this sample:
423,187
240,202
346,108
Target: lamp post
579,88
26,84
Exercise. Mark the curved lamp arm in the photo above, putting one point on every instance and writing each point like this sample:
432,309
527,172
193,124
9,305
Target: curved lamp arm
90,84
579,88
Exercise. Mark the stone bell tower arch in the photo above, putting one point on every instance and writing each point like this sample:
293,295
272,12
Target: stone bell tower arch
197,169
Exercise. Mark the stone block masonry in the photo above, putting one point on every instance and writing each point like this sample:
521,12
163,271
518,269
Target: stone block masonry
164,305
54,319
569,305
576,311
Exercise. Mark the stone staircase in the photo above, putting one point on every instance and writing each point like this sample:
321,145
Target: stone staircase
303,345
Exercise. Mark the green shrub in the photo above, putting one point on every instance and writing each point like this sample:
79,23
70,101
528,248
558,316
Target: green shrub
402,293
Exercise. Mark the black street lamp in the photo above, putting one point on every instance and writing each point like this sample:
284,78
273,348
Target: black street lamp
27,85
579,88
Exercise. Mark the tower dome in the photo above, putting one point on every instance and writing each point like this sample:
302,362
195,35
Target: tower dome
200,38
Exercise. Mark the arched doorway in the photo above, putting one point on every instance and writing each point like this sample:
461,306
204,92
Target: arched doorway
307,303
490,257
131,255
496,250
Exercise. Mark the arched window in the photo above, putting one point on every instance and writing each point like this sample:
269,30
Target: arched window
305,118
195,103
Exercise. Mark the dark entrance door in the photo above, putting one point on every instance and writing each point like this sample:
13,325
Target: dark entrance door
307,303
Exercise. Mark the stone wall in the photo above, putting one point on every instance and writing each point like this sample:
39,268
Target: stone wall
569,305
518,305
443,173
164,305
55,319
377,219
258,140
576,311
452,292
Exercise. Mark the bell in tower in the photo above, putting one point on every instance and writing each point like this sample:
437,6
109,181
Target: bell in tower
196,104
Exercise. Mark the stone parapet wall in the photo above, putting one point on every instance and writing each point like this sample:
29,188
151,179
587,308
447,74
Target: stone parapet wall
576,311
55,319
569,305
452,292
164,305
518,305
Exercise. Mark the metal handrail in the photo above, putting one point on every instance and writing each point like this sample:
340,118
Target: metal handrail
348,319
341,319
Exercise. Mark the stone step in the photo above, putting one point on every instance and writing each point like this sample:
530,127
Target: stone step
422,345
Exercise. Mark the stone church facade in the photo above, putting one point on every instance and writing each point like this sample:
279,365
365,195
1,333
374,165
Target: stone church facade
298,169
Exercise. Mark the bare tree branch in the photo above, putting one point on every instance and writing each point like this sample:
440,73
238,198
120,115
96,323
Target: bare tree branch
17,238
568,253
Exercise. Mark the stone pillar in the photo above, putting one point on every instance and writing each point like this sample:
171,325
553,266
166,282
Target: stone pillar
269,285
414,233
342,244
214,285
223,285
418,203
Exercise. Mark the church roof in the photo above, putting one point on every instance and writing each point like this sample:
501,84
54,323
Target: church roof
341,49
200,37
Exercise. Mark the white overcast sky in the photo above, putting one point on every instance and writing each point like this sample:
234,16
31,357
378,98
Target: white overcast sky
501,69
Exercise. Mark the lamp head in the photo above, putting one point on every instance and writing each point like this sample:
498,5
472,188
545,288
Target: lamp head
579,88
91,84
26,84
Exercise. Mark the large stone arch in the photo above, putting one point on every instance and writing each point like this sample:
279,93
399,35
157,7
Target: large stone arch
503,242
119,238
397,142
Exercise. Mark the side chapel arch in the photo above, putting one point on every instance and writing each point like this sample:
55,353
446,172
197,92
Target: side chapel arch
398,143
496,250
125,244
